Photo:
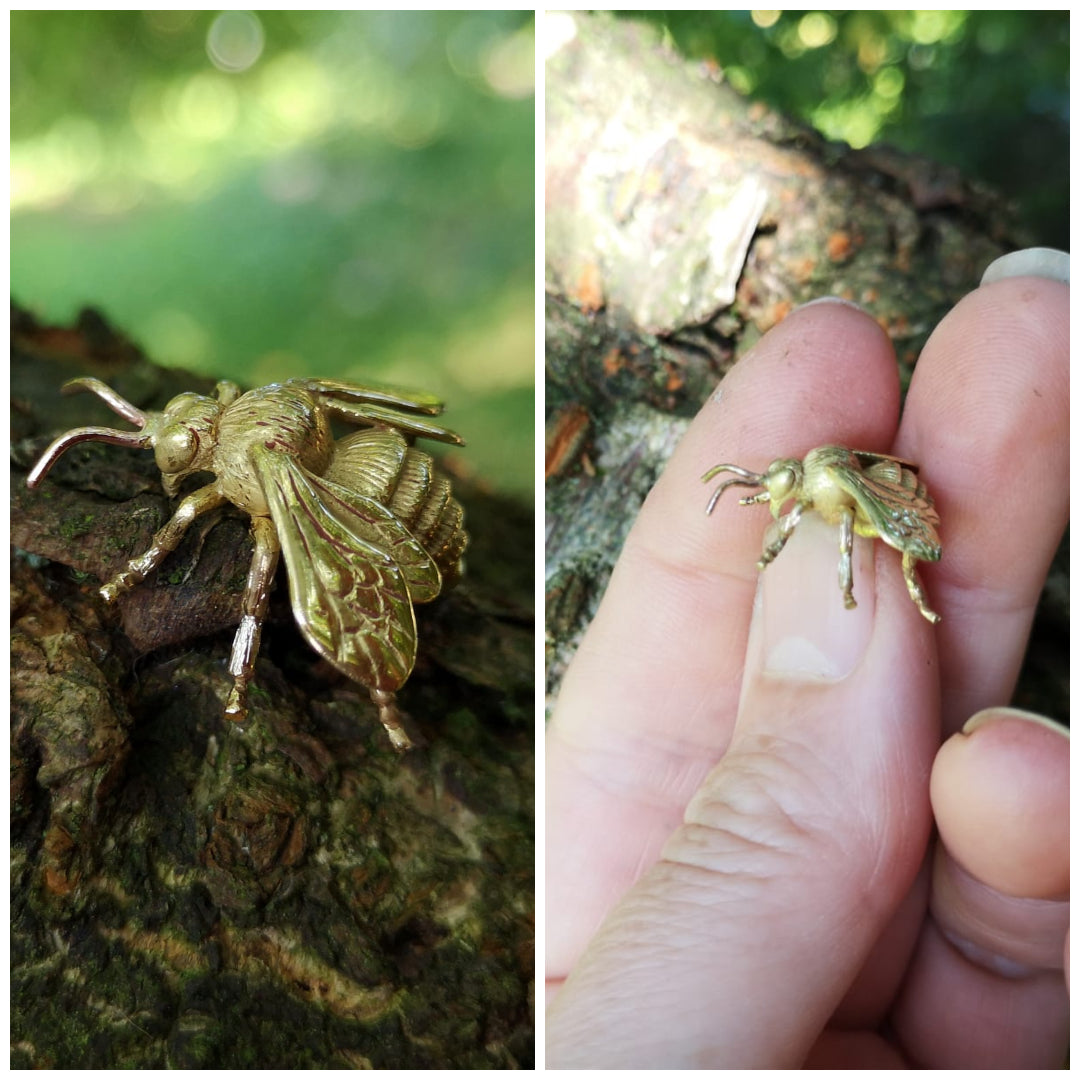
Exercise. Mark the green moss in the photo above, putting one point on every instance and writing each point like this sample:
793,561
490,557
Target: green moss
74,527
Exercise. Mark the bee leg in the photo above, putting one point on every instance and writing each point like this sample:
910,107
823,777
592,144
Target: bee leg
391,718
847,541
165,541
915,589
785,529
253,611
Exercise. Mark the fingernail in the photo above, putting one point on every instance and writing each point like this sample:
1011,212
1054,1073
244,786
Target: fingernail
803,631
983,957
986,716
1030,262
832,300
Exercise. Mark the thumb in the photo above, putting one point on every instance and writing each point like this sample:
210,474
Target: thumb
736,947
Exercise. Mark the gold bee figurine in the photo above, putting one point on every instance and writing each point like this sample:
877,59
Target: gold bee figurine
870,494
367,525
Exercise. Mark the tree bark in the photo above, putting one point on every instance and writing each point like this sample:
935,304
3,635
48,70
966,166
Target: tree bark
683,221
290,893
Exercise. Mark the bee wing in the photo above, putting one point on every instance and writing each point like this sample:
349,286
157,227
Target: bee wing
369,406
353,570
895,504
419,427
413,402
868,458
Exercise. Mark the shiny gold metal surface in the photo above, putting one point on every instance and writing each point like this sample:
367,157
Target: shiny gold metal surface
867,494
367,525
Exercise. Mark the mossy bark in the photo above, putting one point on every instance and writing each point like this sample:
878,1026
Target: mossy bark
683,221
290,893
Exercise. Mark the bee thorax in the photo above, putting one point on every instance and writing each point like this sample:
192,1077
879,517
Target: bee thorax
279,418
829,500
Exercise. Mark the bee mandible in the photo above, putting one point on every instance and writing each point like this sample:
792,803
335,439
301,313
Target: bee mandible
868,494
367,525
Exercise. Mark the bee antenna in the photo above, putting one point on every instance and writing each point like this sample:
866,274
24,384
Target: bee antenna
111,398
135,439
743,478
734,482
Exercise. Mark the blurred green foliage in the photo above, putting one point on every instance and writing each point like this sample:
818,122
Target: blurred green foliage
985,91
260,196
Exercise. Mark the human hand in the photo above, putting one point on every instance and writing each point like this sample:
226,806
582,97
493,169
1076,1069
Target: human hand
743,776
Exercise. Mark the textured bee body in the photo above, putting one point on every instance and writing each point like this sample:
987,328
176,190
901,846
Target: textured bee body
382,466
367,525
866,494
282,418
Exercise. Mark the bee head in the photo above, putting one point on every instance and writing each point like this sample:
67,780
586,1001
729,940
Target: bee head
183,437
782,481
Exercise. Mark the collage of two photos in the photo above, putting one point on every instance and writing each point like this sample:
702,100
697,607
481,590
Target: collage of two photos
341,713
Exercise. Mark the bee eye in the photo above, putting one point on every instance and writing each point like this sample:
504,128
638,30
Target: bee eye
175,448
781,482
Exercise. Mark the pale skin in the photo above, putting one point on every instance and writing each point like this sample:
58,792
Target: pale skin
769,844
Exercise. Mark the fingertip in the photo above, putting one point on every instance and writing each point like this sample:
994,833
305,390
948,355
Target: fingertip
1000,793
826,374
996,364
828,366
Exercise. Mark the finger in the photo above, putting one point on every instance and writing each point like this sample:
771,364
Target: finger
736,948
987,987
648,704
987,420
999,541
1000,791
980,1013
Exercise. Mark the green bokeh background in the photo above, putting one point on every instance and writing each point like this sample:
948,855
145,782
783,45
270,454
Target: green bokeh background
984,91
262,196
